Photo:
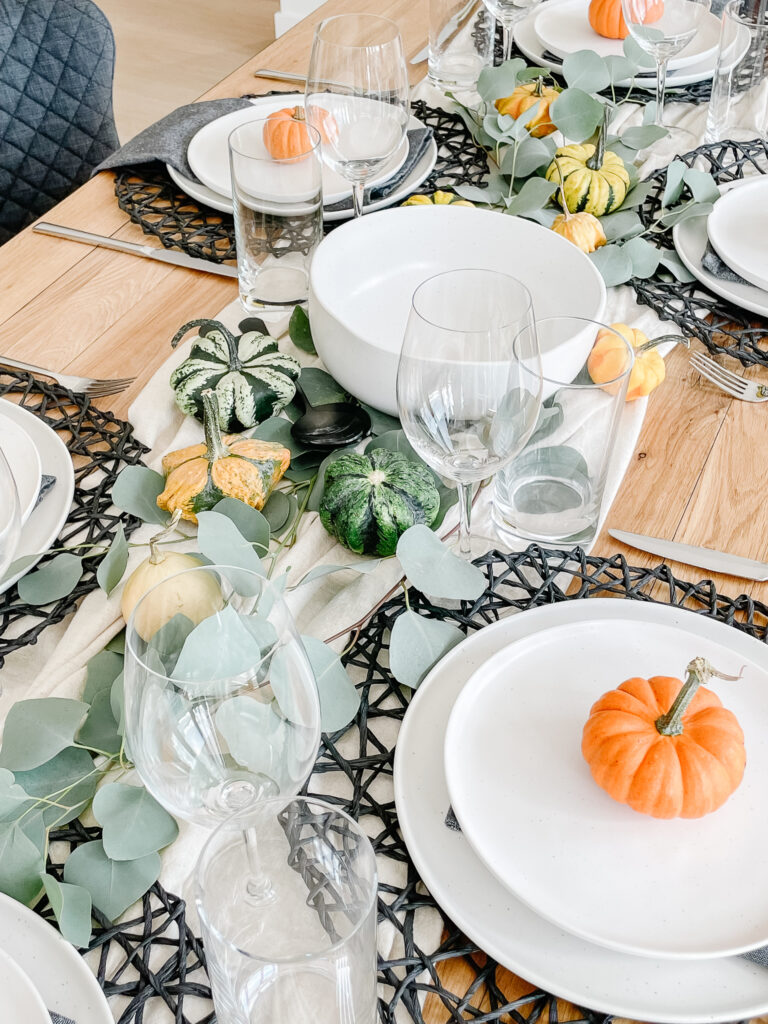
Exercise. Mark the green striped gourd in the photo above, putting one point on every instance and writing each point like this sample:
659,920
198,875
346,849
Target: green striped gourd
594,179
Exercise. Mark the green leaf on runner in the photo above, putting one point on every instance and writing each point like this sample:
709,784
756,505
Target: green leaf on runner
117,643
416,644
634,52
136,490
133,822
613,263
673,188
585,70
702,185
434,570
299,331
250,523
114,885
637,195
36,730
278,429
220,540
619,69
672,262
276,511
220,647
254,733
684,212
112,566
643,136
497,82
535,194
99,731
393,441
362,568
102,670
70,779
21,860
530,156
644,255
53,581
71,906
339,700
622,224
381,422
320,387
13,799
577,114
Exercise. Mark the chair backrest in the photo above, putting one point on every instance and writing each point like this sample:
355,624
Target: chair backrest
57,61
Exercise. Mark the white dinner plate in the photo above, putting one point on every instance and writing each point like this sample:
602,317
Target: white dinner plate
690,239
564,28
669,991
422,170
63,979
591,865
19,999
45,522
738,230
529,44
23,460
208,152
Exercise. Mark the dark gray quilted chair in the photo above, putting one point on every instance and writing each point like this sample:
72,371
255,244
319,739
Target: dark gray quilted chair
57,60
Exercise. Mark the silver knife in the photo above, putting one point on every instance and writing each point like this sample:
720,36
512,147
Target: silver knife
689,554
422,55
177,259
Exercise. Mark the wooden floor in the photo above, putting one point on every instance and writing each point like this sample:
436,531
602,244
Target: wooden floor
171,51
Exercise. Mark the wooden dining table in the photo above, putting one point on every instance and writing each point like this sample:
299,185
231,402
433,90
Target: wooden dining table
698,473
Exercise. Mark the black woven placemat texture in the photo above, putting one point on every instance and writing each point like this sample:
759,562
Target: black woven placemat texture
155,958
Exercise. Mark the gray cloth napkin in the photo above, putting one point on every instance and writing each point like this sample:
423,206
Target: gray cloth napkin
718,268
56,1018
418,141
47,483
167,140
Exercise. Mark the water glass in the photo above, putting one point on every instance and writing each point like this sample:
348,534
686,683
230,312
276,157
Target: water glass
738,107
221,705
308,953
553,490
461,37
10,515
278,207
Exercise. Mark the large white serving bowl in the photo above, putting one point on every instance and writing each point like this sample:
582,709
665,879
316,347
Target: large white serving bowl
364,274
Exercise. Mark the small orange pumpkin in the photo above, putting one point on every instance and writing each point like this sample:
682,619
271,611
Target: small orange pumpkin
666,748
530,95
286,136
607,360
607,19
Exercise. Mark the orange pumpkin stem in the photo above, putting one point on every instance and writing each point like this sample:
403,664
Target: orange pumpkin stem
299,114
698,672
214,442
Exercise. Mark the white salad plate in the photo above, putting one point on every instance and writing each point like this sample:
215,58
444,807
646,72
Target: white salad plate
660,990
738,230
422,170
19,999
208,153
23,460
690,239
591,865
62,978
564,28
45,522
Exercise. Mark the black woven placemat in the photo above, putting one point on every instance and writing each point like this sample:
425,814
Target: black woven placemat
100,445
722,327
155,959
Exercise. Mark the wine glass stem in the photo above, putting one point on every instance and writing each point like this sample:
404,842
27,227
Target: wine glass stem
661,86
507,36
358,197
258,888
465,516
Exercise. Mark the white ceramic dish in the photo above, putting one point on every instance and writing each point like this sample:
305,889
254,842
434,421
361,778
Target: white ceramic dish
364,274
738,230
420,172
208,152
690,238
19,999
669,991
63,979
45,522
529,43
579,858
564,28
23,460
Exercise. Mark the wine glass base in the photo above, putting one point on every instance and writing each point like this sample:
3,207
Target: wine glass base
478,545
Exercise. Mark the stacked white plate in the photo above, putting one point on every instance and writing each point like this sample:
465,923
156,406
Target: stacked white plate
208,156
576,893
737,230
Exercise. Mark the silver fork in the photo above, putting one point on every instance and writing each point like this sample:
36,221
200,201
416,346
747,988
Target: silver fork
92,387
728,381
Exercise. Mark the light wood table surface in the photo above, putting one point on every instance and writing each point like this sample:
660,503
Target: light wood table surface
698,474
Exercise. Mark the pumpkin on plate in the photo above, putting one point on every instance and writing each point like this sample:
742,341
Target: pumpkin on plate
198,477
531,94
251,379
666,748
607,360
607,18
285,132
594,180
437,199
371,499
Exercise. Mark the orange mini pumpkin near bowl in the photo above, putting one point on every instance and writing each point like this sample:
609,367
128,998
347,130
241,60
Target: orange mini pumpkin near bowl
607,18
666,748
286,136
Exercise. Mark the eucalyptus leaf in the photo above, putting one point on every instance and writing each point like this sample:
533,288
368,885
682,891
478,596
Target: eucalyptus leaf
547,463
99,731
250,523
492,128
643,136
112,566
622,224
381,423
53,581
300,474
362,568
449,496
393,441
133,822
535,193
220,540
585,70
638,195
619,69
13,799
528,156
649,112
475,194
577,114
71,906
550,419
613,263
702,185
136,491
219,647
117,644
278,429
114,885
686,211
117,703
644,255
69,779
102,670
339,700
320,387
293,512
21,565
634,52
545,217
433,569
168,641
299,331
276,511
531,74
254,733
673,188
417,643
38,729
519,129
672,262
497,82
626,155
22,862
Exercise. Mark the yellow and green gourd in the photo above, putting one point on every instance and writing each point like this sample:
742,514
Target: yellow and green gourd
594,179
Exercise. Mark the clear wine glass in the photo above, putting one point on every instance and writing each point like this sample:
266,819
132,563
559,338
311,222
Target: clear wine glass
10,515
468,400
663,28
508,13
221,705
357,96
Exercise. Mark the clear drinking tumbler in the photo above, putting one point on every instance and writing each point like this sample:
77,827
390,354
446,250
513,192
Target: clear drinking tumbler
738,108
461,34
